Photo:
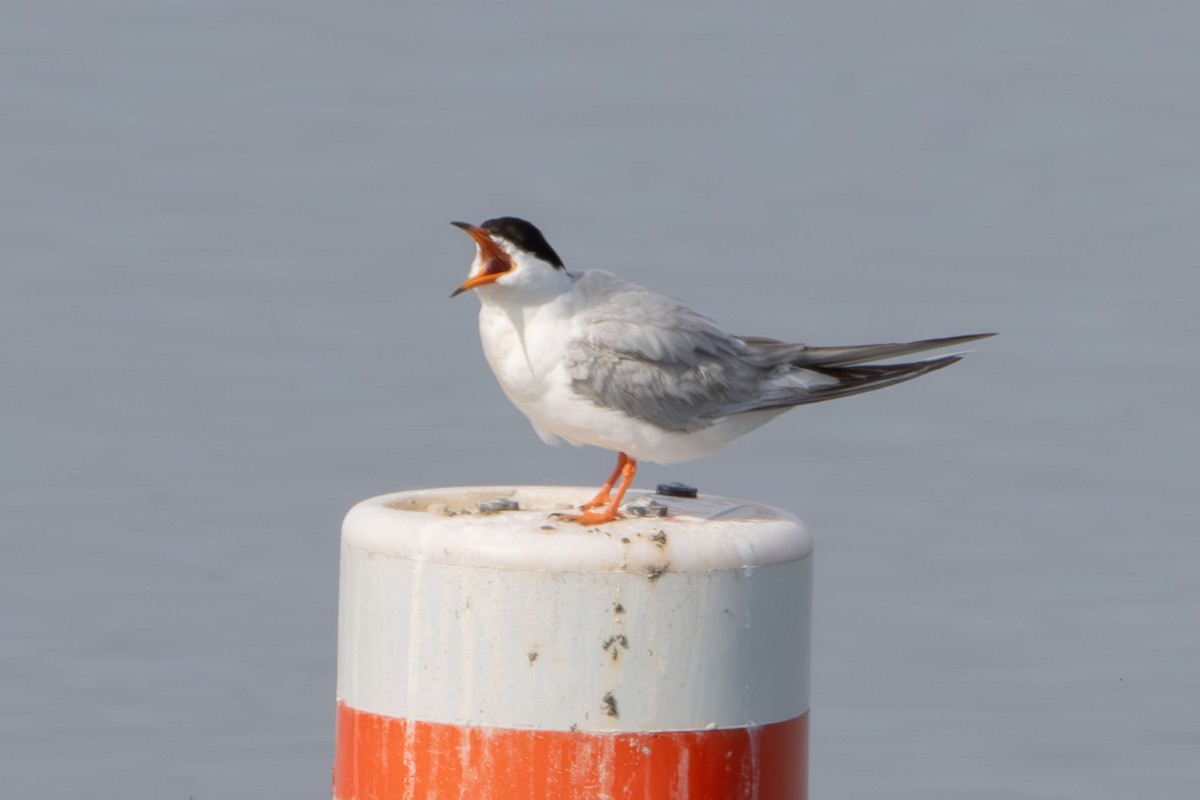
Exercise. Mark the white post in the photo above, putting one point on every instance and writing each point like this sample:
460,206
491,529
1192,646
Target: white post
511,656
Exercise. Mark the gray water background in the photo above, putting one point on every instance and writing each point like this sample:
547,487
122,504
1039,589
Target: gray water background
224,268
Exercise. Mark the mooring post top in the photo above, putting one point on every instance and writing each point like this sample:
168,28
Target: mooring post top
514,527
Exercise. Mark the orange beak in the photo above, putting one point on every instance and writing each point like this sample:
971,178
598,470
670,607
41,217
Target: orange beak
496,262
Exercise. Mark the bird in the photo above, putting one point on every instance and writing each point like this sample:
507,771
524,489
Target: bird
592,359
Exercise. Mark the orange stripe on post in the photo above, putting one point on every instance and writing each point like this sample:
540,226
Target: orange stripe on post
382,758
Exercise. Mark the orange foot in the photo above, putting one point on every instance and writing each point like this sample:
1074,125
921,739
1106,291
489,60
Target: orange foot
626,469
602,497
592,517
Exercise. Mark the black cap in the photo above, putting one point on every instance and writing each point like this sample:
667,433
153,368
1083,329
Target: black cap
525,236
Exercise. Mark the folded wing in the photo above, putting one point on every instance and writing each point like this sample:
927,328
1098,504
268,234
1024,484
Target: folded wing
657,360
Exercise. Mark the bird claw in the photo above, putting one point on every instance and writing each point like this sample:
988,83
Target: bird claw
589,518
626,469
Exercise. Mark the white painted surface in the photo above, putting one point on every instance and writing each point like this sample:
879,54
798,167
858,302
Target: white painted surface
684,623
721,533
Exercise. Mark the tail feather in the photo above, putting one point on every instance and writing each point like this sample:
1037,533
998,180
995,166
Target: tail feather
851,379
772,352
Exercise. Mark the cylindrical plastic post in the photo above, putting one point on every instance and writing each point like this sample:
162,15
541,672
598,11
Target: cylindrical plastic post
510,656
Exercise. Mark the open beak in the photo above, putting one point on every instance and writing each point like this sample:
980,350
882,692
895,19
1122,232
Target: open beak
496,262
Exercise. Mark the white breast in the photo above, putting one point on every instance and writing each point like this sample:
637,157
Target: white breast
524,346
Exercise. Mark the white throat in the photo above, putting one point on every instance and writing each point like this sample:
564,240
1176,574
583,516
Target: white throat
530,282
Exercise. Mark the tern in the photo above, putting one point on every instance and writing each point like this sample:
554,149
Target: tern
592,359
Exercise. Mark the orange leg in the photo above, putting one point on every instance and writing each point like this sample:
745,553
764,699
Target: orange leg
602,497
627,470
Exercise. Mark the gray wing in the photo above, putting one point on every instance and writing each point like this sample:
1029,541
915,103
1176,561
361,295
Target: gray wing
657,360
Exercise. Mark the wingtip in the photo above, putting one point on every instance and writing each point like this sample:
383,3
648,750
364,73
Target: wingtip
970,337
939,362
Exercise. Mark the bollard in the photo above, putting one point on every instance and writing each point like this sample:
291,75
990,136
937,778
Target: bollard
506,655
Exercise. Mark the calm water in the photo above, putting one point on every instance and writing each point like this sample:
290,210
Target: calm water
224,262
